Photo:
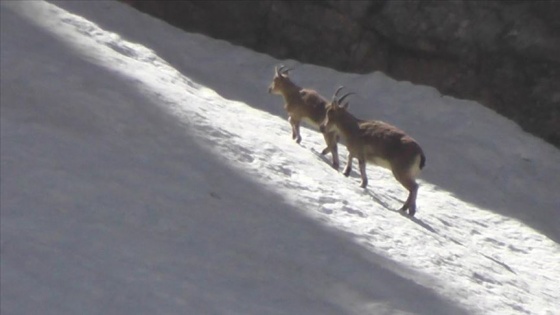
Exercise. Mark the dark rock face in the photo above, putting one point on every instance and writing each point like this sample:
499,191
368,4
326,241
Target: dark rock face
504,54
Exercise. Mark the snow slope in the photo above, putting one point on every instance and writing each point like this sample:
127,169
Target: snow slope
145,170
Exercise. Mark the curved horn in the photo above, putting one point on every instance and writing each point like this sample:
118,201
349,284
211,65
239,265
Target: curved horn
287,70
279,69
336,92
344,96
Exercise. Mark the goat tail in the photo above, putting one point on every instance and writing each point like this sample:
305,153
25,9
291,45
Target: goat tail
422,160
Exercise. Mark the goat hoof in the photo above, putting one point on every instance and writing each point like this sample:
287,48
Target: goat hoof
325,151
346,173
335,166
363,184
412,211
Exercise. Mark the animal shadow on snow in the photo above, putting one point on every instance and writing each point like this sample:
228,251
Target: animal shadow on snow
383,203
323,157
377,199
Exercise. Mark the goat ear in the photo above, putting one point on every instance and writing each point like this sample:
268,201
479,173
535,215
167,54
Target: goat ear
345,105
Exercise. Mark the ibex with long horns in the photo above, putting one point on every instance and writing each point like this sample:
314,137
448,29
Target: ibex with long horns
378,143
303,105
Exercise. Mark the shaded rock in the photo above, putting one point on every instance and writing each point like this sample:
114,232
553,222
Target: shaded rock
504,54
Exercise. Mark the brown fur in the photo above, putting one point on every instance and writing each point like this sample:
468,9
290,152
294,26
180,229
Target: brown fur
377,142
304,104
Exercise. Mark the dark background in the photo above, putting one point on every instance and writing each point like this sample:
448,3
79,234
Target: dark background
503,54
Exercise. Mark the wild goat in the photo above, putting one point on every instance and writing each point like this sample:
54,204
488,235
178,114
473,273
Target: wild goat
303,105
378,143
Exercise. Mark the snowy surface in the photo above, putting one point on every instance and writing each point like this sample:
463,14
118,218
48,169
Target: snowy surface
145,170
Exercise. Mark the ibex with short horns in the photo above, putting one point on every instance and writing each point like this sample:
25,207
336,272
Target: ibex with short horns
378,143
303,105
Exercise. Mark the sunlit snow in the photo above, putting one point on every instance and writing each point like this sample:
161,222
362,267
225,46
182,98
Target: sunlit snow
145,170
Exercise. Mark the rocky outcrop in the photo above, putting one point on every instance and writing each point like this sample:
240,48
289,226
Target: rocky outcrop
504,54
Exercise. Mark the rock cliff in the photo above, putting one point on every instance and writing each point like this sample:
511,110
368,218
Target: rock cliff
504,54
